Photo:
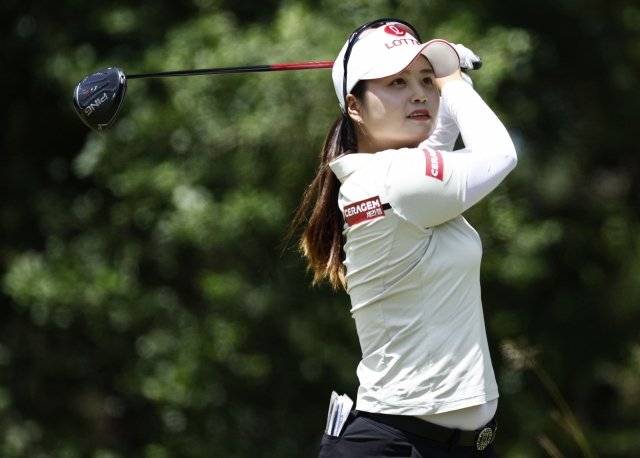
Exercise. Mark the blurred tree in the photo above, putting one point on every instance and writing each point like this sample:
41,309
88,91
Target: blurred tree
148,309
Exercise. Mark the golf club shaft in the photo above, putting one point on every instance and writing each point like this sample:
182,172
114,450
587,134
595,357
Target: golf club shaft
254,68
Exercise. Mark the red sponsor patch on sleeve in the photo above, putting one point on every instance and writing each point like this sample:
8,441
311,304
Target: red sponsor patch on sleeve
362,211
435,164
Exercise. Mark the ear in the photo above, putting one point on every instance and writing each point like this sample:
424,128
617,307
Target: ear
354,109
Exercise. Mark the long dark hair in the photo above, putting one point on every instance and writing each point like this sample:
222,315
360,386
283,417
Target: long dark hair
322,242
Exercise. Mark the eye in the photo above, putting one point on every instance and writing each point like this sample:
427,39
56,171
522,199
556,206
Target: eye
428,80
397,81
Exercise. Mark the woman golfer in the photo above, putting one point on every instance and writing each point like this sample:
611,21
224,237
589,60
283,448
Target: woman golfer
386,223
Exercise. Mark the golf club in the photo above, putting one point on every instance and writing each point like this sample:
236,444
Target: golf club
98,97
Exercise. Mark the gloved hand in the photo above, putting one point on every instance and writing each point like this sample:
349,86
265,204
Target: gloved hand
468,60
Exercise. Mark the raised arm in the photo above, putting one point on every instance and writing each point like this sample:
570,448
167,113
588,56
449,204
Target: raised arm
491,154
446,133
428,186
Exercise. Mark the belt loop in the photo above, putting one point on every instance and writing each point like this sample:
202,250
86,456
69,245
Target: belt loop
455,438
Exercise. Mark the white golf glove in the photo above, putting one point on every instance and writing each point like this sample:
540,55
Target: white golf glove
468,60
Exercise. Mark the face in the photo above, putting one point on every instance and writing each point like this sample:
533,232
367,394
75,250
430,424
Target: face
398,111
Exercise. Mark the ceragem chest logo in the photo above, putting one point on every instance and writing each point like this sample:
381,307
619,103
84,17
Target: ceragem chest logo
395,31
362,211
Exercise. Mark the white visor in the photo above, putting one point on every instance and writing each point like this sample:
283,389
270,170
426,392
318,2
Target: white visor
387,51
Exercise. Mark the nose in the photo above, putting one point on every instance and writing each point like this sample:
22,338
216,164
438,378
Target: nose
419,98
419,94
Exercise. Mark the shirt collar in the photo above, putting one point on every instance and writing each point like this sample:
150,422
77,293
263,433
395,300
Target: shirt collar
344,166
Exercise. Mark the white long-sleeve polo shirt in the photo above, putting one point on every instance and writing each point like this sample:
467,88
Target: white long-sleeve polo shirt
413,271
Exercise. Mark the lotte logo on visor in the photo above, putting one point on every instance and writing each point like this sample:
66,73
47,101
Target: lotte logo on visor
395,31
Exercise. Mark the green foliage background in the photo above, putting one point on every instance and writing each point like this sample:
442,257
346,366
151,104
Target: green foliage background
147,307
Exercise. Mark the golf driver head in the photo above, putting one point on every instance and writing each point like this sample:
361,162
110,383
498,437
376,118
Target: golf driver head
99,96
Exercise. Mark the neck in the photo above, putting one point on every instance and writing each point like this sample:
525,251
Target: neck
366,144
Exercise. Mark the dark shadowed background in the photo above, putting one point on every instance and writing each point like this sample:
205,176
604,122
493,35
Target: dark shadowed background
147,307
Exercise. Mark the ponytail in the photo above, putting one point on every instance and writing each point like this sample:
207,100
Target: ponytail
322,242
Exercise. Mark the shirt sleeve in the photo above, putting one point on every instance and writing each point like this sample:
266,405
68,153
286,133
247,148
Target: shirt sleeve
491,153
446,132
425,186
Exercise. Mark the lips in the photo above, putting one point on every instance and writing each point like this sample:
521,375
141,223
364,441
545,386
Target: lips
420,115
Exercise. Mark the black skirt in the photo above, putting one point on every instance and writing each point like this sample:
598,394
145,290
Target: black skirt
364,437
